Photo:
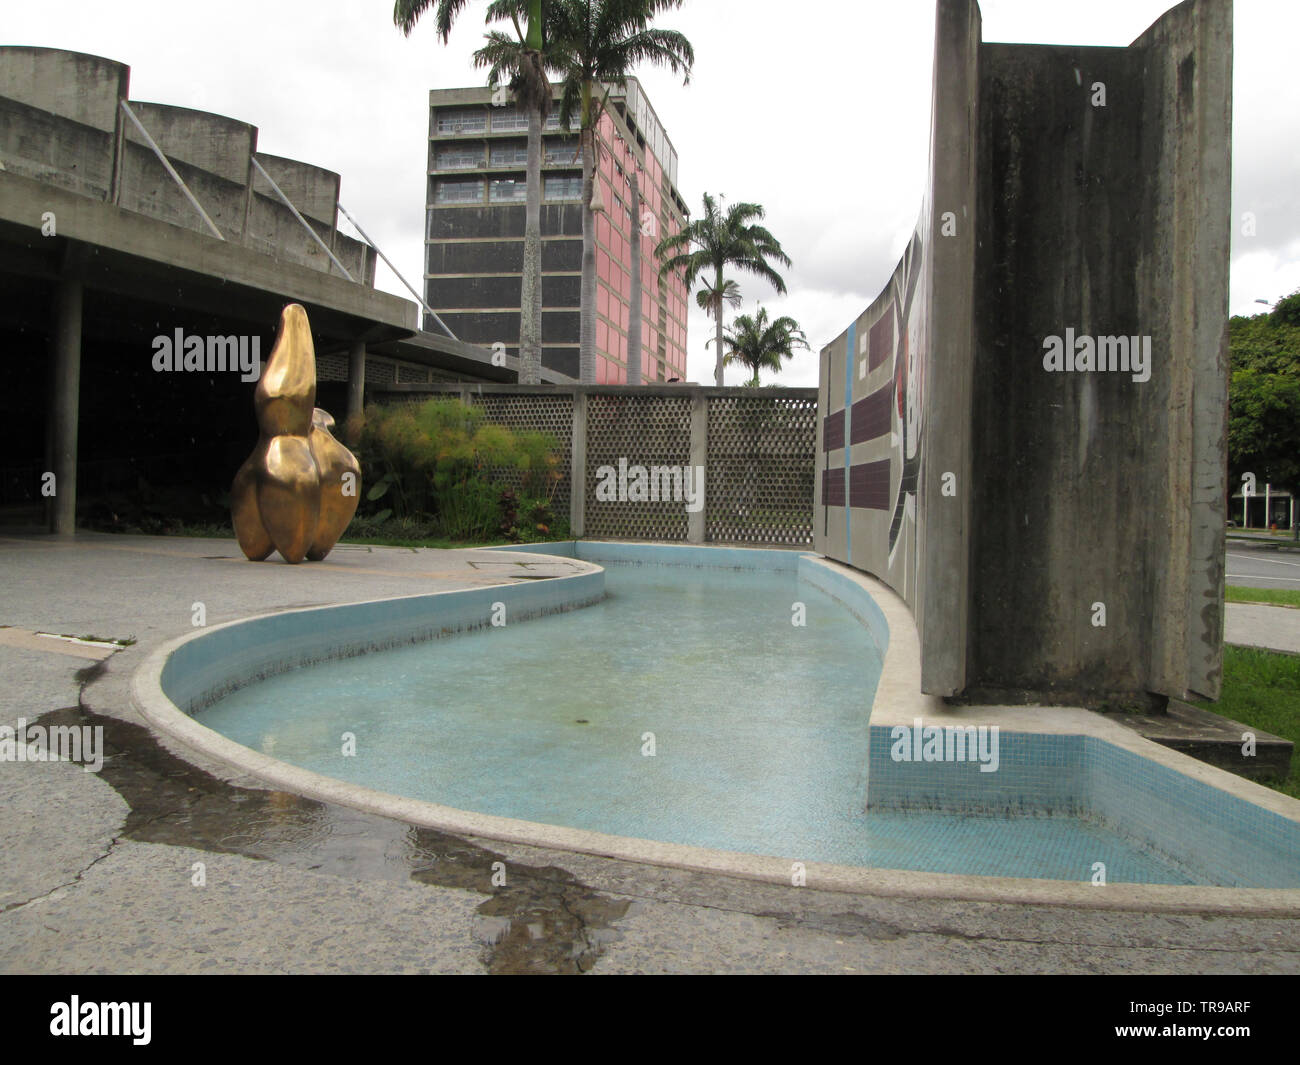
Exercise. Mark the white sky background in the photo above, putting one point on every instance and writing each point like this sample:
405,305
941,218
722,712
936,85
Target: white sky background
774,114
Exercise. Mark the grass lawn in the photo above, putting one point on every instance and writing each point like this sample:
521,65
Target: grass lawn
1262,689
1276,596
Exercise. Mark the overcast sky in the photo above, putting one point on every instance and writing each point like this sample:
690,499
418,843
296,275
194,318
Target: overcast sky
774,114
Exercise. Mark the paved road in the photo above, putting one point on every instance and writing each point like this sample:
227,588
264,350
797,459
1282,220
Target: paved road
1262,567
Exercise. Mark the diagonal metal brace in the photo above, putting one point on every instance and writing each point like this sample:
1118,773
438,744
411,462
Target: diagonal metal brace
305,224
171,170
380,253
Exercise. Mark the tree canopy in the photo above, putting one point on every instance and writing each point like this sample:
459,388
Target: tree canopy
759,344
1264,396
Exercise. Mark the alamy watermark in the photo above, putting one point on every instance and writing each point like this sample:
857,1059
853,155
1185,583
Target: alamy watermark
213,354
1086,354
640,484
53,743
949,743
102,1018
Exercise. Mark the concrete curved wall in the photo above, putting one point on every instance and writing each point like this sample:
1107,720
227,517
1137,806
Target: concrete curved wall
61,123
73,85
313,189
210,152
894,404
214,143
1057,530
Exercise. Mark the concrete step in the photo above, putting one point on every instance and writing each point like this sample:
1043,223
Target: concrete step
1215,739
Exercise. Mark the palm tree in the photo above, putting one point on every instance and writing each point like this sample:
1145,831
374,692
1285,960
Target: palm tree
715,241
634,248
593,45
761,345
518,60
711,300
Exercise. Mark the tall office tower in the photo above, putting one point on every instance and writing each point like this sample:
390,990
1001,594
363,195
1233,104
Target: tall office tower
474,233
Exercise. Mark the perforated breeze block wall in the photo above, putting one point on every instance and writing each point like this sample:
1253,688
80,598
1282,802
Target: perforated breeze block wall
550,414
757,450
761,468
1074,192
645,430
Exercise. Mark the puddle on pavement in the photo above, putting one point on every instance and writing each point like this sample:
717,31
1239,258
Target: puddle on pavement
541,921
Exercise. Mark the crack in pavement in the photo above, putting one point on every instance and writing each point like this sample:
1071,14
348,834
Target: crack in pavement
14,906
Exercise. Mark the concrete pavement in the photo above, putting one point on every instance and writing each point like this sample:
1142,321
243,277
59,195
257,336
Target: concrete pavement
160,863
1273,628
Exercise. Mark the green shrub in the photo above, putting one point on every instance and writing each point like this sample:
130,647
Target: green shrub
443,461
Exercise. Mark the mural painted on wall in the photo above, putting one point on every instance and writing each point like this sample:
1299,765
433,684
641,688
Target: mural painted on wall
909,387
872,450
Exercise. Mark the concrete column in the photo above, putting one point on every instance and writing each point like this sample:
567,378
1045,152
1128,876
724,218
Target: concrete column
699,459
64,404
356,377
578,466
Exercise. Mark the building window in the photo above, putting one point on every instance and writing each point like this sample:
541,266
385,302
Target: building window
451,122
563,187
552,121
562,153
458,192
508,120
507,191
460,157
510,154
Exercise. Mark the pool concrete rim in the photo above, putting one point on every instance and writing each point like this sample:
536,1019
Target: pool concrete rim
900,689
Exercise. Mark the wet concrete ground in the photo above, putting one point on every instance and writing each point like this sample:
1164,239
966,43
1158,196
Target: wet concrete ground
99,871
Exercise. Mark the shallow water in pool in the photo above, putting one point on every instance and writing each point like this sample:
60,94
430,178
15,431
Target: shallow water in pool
687,707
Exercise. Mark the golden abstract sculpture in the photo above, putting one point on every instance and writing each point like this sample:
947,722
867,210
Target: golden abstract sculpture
299,488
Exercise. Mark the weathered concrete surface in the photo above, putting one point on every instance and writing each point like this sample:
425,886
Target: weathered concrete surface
97,870
944,526
1087,193
65,126
73,85
1183,293
1059,202
145,249
1109,219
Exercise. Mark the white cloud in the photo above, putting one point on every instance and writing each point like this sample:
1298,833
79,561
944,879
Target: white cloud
820,112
